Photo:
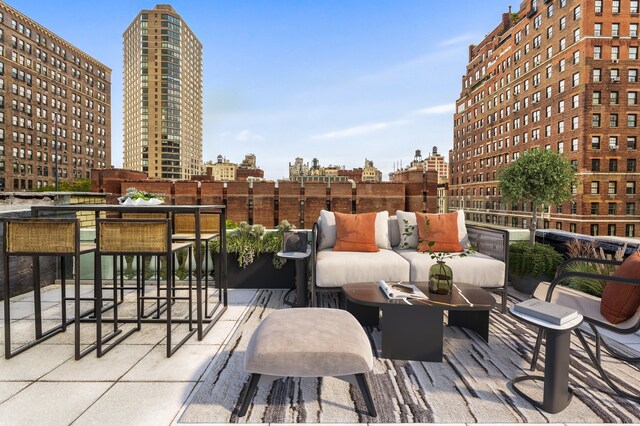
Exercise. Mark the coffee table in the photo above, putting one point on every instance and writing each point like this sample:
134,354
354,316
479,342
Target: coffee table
415,331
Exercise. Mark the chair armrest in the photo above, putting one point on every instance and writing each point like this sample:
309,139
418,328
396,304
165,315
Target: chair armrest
314,252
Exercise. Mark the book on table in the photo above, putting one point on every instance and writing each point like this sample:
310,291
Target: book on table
545,311
401,291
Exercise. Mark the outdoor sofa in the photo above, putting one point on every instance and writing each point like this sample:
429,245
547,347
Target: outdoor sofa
486,266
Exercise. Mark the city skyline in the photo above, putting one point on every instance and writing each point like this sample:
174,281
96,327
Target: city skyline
339,82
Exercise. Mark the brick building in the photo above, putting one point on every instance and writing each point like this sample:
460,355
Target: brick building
560,75
162,95
55,104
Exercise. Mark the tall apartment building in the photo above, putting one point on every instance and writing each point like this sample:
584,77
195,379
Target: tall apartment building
55,106
559,75
162,95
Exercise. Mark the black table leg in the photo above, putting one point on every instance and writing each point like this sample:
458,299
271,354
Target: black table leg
411,332
477,321
366,315
301,283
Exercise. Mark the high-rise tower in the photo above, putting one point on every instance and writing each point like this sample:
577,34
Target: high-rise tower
559,75
162,95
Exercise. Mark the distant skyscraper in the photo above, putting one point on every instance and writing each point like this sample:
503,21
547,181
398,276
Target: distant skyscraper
162,95
55,100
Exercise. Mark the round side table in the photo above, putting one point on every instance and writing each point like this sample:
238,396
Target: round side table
557,393
300,276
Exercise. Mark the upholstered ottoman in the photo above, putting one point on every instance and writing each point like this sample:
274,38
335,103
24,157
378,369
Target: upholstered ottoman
309,342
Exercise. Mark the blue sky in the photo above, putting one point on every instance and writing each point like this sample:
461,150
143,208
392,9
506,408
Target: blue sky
339,80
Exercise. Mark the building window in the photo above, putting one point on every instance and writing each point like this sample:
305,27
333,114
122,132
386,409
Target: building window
613,165
613,142
574,144
597,29
630,230
632,98
593,229
612,209
575,123
597,75
595,141
572,227
633,6
613,97
576,35
613,120
633,30
611,230
597,52
595,187
633,52
560,147
631,143
615,29
563,23
615,53
615,6
576,13
598,7
595,164
630,209
613,188
595,208
632,120
633,75
595,98
631,188
631,165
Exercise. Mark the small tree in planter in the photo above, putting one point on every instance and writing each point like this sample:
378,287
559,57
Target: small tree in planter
541,177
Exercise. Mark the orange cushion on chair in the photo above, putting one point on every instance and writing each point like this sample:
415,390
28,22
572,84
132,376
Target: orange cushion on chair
443,231
620,301
356,232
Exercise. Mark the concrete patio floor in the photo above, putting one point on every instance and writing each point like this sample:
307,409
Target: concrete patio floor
134,384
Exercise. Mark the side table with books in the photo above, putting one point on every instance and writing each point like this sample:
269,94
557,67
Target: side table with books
558,322
301,275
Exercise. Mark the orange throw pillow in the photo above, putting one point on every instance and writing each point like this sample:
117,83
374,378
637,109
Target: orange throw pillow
443,231
356,232
620,301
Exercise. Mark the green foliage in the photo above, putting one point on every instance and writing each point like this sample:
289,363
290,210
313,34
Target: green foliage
588,285
540,259
80,185
538,176
249,241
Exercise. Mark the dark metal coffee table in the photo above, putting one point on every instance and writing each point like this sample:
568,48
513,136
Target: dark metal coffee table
414,331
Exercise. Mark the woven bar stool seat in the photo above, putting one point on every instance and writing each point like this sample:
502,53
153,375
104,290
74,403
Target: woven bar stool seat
38,237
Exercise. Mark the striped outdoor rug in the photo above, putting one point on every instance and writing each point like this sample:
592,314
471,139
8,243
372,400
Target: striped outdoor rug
469,386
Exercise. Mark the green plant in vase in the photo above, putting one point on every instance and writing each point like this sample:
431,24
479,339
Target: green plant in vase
440,274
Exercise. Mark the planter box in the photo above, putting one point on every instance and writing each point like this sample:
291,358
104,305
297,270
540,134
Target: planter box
525,284
260,274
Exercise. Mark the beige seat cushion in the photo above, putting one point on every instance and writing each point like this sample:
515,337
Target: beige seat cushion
337,268
475,269
586,304
309,342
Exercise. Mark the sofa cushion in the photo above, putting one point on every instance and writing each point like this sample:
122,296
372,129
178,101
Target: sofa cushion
409,232
475,269
327,230
355,232
337,268
438,232
620,301
394,233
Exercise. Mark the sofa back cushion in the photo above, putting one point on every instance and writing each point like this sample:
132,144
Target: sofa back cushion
442,230
327,230
408,230
620,301
356,232
394,233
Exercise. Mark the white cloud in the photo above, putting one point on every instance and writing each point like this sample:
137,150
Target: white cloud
364,129
437,109
248,135
457,40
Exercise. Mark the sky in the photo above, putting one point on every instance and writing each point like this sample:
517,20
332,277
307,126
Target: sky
336,80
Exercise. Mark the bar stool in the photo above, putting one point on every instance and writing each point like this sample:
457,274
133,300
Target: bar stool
138,237
185,230
42,237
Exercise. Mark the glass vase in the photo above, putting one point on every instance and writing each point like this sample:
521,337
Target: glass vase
440,278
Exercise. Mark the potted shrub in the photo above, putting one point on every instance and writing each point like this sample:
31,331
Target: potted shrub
531,264
252,260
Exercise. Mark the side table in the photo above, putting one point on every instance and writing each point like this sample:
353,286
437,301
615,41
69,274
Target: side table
557,393
300,275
